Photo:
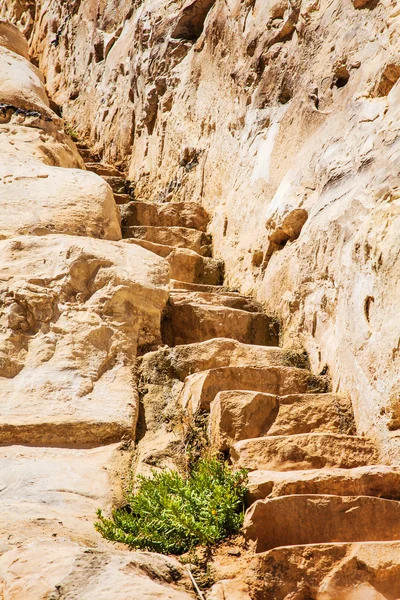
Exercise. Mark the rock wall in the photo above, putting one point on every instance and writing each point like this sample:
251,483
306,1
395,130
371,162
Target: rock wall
75,306
282,119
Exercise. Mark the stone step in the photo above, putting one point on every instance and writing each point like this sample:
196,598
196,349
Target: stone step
227,299
186,264
103,169
119,185
181,361
353,571
164,251
320,519
304,451
239,415
177,237
174,214
88,155
189,323
122,199
49,492
183,286
372,480
201,388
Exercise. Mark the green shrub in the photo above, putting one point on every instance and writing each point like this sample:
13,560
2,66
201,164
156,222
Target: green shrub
171,514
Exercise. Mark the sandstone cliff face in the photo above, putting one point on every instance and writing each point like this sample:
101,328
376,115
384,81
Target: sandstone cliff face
282,118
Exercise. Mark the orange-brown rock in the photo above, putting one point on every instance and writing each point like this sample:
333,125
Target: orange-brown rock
239,415
320,519
174,214
177,237
358,571
200,389
373,480
303,451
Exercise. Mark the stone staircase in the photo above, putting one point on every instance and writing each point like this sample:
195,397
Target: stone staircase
324,516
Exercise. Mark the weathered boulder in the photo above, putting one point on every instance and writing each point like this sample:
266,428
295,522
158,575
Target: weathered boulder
73,313
46,569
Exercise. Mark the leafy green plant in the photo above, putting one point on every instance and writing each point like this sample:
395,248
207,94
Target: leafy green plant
171,514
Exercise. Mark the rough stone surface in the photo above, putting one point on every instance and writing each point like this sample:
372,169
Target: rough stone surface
73,312
304,451
382,481
200,389
240,415
318,519
270,113
365,571
72,571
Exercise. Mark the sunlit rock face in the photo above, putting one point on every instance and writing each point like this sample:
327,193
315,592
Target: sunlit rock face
283,122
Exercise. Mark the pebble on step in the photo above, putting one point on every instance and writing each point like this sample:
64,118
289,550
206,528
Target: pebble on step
304,451
200,389
318,519
239,415
371,480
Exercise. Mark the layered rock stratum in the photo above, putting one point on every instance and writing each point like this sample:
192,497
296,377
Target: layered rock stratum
251,143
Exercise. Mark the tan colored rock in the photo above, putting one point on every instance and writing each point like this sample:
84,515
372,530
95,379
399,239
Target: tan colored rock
240,415
259,125
177,237
55,492
374,480
229,589
320,519
73,312
200,389
187,265
184,360
222,298
173,214
12,39
303,451
187,323
45,569
65,201
359,571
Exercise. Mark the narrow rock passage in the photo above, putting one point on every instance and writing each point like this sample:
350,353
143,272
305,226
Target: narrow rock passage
319,501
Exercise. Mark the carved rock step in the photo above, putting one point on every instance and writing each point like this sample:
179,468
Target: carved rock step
186,264
119,185
304,451
103,169
320,519
371,480
46,491
178,237
186,323
122,199
180,361
239,415
183,286
227,299
164,251
358,571
200,389
174,214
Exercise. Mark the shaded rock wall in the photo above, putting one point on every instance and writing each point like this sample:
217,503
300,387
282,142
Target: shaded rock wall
282,119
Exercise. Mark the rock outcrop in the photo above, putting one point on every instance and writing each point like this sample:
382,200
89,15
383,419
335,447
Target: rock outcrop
283,118
251,144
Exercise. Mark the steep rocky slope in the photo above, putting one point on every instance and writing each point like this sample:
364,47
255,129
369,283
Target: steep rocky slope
282,117
271,126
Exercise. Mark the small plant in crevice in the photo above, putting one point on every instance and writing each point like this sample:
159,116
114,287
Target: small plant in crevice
171,514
